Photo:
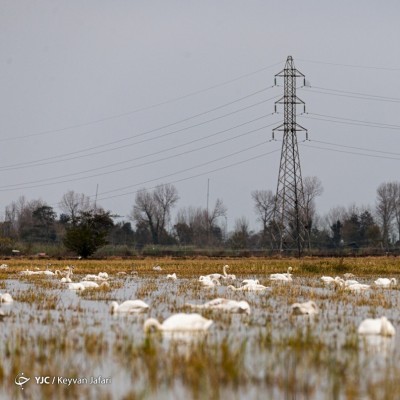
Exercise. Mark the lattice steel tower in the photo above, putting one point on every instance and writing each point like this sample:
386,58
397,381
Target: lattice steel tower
289,211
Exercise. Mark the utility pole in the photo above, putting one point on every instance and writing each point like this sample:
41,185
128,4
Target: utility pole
289,210
208,220
95,199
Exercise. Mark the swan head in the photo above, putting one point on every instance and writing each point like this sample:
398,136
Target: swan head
6,298
313,306
151,325
290,269
113,307
244,307
387,329
339,281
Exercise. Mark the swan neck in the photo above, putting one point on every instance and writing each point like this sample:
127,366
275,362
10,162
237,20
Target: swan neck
152,323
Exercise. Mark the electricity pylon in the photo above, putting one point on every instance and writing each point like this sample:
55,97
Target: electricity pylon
289,210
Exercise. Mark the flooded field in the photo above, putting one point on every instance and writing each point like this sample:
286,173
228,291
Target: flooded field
69,345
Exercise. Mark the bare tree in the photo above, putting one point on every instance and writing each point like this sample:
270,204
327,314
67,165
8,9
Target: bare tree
199,226
335,214
72,204
396,194
385,208
218,211
312,188
153,209
240,236
264,203
18,215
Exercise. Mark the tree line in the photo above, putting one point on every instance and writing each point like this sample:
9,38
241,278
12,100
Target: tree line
83,227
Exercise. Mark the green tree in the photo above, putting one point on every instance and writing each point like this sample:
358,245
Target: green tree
122,233
39,225
88,232
336,228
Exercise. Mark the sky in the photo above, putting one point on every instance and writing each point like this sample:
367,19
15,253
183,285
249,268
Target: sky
108,97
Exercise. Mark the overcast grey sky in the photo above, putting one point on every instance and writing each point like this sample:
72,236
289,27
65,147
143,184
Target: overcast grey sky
131,94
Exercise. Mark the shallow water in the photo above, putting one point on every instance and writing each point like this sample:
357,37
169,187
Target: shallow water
269,354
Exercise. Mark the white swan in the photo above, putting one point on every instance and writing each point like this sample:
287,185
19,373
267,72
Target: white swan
102,276
251,281
179,322
226,275
93,285
41,272
68,271
224,305
6,298
157,268
349,282
357,287
47,272
249,287
307,308
129,306
378,326
328,279
209,282
75,286
214,276
29,272
67,277
385,282
172,276
3,266
285,277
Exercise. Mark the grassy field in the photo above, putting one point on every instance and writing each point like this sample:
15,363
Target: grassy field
50,331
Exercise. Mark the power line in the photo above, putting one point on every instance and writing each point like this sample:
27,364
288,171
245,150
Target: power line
120,115
394,69
59,158
348,121
189,177
351,152
355,96
387,98
102,174
21,185
140,142
355,147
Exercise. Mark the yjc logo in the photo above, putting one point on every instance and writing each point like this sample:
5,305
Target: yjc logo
20,380
42,380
